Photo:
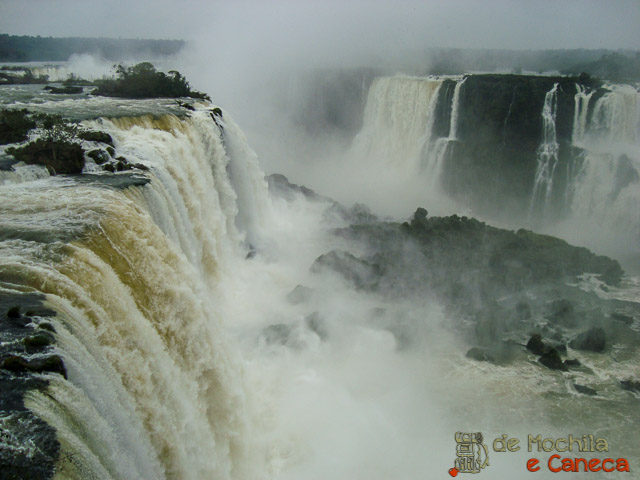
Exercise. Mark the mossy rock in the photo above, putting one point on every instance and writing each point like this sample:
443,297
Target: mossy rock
99,156
58,156
20,365
96,136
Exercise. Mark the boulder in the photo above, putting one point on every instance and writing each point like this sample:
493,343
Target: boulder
536,345
47,326
551,359
50,363
630,385
572,363
70,90
593,340
99,156
96,136
38,341
479,354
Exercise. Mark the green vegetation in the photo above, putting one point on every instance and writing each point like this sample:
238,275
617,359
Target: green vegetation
612,66
14,126
47,49
58,148
618,66
144,81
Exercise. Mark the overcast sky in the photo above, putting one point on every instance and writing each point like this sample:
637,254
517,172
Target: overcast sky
335,25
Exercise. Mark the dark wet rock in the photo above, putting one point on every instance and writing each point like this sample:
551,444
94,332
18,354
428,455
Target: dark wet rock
361,273
317,324
585,390
58,156
561,348
630,385
593,340
99,156
111,151
122,165
14,312
279,185
38,342
300,294
51,363
47,326
96,136
28,446
109,167
120,182
572,363
551,359
479,354
70,90
187,106
140,166
536,345
216,116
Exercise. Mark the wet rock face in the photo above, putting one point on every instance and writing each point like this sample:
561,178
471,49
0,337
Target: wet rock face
493,163
59,157
28,446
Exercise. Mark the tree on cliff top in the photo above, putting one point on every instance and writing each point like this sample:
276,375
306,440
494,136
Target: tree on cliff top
144,81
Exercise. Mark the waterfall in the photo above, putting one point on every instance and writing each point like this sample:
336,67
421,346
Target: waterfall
580,114
547,156
605,190
439,151
153,389
397,121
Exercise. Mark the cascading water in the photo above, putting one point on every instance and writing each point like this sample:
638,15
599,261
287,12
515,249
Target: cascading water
441,145
153,389
581,113
547,155
604,190
398,119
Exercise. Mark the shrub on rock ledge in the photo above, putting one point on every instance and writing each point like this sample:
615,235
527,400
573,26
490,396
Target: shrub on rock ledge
144,81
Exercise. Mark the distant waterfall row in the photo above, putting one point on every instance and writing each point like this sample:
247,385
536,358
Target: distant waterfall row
550,148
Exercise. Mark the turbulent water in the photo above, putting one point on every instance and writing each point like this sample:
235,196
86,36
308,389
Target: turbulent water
190,350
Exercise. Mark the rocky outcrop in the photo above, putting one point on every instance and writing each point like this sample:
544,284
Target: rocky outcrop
58,156
70,90
96,136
